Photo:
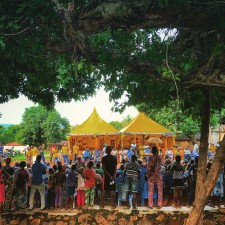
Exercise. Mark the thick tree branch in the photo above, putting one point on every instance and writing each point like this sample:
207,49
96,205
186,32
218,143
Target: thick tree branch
17,33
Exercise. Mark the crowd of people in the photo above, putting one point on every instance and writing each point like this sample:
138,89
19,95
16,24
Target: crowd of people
87,179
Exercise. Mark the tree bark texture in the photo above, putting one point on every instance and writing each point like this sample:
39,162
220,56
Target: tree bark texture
206,189
204,139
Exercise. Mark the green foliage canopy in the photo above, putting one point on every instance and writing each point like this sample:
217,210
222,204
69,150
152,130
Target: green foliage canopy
42,126
10,134
61,50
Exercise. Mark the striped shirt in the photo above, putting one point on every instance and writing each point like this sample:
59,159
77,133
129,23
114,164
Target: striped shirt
132,169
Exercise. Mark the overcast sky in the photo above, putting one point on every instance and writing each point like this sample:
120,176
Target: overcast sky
75,112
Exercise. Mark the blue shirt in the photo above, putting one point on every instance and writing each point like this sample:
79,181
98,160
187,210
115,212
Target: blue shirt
86,154
37,170
194,153
97,153
130,153
1,150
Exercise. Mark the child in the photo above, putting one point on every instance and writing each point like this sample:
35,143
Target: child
51,188
80,188
89,184
178,182
60,179
70,186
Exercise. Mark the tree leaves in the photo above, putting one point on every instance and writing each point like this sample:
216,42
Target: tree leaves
40,125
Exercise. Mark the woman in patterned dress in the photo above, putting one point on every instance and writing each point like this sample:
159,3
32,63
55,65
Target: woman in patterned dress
154,176
9,189
21,186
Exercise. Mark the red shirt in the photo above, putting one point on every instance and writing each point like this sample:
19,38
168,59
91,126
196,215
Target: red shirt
89,175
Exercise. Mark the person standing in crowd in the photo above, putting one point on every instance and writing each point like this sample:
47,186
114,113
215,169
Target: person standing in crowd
169,153
70,186
75,152
1,150
187,154
87,155
41,152
147,152
114,152
9,189
109,164
194,153
97,155
54,151
34,153
9,184
132,174
60,179
65,151
37,184
192,177
167,180
51,189
22,179
121,153
154,176
195,146
130,153
29,155
178,182
2,191
80,188
99,171
89,185
79,163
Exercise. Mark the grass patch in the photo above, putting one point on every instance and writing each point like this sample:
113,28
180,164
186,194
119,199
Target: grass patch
22,157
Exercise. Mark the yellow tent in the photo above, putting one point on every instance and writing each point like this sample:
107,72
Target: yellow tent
142,124
141,128
93,133
94,125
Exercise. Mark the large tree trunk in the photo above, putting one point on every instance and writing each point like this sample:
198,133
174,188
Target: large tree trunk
207,187
203,148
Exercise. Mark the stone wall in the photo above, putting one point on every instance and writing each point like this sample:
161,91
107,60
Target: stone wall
107,217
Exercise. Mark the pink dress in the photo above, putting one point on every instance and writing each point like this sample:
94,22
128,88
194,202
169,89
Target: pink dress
2,188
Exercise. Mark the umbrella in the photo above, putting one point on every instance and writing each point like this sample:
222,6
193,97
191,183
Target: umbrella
155,140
